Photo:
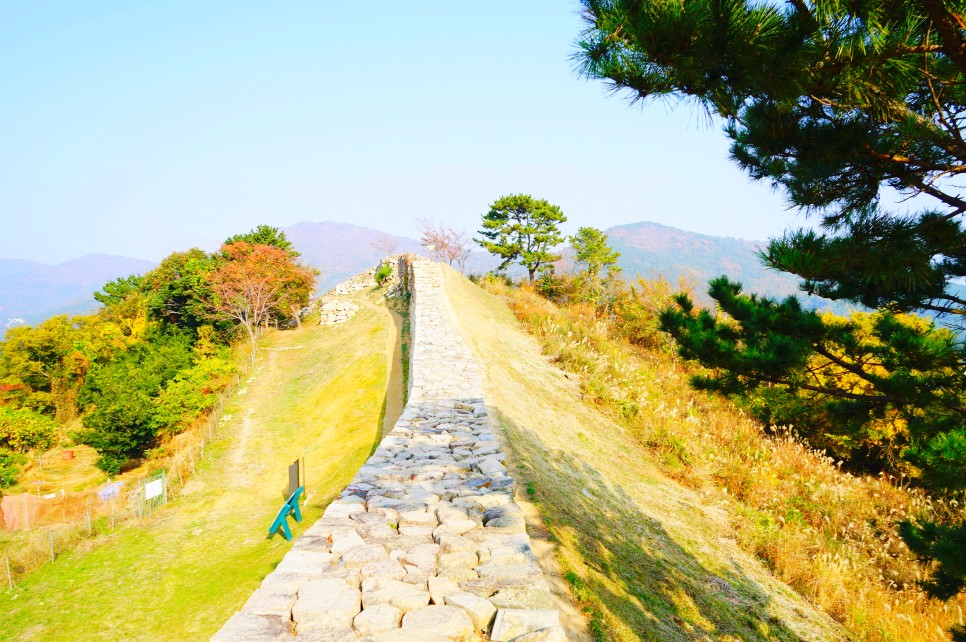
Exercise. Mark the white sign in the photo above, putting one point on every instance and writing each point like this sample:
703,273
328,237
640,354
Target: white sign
153,488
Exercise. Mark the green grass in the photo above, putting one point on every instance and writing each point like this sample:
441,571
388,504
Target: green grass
178,575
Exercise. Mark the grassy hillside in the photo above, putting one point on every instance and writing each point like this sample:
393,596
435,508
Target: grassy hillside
652,559
676,517
317,393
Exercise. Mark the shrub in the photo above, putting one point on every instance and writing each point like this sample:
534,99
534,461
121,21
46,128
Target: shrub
383,272
191,393
23,429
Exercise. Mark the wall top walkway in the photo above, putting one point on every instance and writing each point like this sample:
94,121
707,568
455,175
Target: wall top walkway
426,543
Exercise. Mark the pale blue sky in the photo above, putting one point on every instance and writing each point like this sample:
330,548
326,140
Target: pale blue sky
139,128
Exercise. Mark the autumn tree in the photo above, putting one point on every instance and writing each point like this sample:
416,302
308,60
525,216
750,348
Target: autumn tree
521,228
445,243
253,281
385,245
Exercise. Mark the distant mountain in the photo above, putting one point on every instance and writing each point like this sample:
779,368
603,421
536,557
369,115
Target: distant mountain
32,292
342,250
650,249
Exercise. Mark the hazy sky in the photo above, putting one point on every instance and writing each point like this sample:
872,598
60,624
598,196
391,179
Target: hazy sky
140,128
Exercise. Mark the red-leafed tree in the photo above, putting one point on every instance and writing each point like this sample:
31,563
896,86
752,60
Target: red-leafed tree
255,281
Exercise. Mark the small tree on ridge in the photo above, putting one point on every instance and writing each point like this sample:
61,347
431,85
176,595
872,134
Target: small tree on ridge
520,227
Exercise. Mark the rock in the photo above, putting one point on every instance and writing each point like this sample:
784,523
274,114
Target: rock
270,600
377,618
440,587
343,508
344,542
326,603
512,623
257,628
464,559
390,569
552,634
406,597
407,635
359,556
480,610
509,570
338,634
305,561
447,621
523,598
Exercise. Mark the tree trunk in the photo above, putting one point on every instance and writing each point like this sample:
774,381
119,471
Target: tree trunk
532,271
297,313
251,338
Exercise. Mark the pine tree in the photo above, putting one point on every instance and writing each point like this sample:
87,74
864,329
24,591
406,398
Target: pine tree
831,102
521,228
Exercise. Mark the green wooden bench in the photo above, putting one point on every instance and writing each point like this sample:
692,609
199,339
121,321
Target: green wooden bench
291,506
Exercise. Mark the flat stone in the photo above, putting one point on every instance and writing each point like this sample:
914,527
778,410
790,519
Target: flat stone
418,518
454,527
440,587
359,556
480,610
458,573
424,557
257,628
377,618
510,523
407,635
448,621
377,532
390,569
326,603
343,508
345,542
305,561
465,559
415,575
418,531
351,576
509,570
312,543
523,598
337,634
271,600
552,634
512,623
455,543
403,596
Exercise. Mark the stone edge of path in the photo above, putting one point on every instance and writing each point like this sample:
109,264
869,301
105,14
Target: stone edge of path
426,542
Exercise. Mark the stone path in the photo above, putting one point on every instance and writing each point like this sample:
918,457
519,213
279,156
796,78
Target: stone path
426,543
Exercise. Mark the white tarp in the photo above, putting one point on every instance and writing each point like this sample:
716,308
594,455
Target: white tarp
153,488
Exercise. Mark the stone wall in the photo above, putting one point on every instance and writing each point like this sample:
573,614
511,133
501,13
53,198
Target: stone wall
426,543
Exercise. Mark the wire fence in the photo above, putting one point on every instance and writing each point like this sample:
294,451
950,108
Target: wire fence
50,525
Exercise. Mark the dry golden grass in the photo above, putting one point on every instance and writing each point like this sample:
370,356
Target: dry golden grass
648,558
828,534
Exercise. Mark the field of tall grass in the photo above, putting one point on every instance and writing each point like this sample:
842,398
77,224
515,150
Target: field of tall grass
829,534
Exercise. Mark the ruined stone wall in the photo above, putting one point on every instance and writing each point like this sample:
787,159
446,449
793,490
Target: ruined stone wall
426,543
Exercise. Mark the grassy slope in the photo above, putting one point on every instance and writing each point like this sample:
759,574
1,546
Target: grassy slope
318,393
653,560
